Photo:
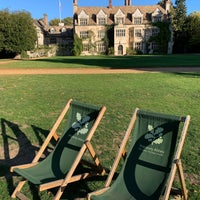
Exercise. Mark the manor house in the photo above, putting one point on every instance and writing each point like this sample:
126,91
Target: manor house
130,27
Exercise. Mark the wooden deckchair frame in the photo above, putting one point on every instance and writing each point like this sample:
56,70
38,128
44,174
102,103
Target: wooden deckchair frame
177,164
99,170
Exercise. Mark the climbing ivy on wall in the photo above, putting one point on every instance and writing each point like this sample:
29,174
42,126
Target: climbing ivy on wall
109,38
77,46
163,36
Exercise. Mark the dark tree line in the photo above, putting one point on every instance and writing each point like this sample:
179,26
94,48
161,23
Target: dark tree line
186,29
17,33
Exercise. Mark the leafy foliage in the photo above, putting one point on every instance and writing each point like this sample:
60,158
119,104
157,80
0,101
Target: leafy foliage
178,14
193,29
54,22
68,21
109,39
186,29
17,32
77,47
163,36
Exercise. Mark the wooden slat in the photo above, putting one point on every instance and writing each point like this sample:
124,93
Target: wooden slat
23,166
182,179
95,158
122,148
57,183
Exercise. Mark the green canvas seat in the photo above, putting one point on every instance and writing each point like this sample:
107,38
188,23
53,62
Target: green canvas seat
151,163
57,169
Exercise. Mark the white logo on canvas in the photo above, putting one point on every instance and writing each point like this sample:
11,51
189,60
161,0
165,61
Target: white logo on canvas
81,125
153,134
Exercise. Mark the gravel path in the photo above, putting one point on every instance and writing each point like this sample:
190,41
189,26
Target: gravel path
96,70
31,71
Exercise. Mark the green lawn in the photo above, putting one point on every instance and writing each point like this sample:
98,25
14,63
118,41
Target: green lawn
188,60
30,105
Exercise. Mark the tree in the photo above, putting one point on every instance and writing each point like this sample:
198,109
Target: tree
193,30
68,21
54,22
5,23
2,39
178,15
17,32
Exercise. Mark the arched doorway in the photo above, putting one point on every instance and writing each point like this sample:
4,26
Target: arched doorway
120,50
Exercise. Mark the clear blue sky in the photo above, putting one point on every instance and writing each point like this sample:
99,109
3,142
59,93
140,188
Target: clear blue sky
51,7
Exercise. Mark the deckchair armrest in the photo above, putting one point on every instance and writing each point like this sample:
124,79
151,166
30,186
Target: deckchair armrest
97,192
23,166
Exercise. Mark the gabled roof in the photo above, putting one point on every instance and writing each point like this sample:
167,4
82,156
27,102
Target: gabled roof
127,10
47,28
101,13
137,13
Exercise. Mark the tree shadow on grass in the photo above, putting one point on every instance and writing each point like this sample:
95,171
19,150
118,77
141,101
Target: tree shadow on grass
16,149
189,74
109,62
127,62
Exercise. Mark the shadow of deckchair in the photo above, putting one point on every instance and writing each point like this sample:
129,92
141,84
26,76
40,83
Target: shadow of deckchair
58,169
22,141
23,150
152,161
41,134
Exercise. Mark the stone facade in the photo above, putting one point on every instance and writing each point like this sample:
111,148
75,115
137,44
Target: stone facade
58,39
132,27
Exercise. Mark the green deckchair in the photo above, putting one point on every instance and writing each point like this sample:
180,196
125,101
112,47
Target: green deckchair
150,165
57,169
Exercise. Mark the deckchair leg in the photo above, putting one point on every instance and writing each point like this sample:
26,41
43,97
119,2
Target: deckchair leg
18,188
58,194
95,158
182,179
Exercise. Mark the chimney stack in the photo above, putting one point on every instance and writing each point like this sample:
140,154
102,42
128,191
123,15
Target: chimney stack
110,4
45,19
75,6
127,2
